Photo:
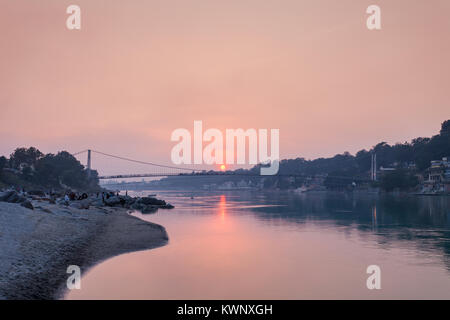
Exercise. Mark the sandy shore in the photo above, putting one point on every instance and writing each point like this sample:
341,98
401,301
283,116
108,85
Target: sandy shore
37,246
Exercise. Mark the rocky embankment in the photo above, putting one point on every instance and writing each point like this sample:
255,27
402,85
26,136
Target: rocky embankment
143,204
41,236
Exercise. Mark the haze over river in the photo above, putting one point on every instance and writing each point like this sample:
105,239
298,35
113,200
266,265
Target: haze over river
283,245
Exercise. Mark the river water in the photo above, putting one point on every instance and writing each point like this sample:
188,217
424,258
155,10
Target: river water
283,245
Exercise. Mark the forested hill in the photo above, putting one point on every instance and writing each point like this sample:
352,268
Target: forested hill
418,153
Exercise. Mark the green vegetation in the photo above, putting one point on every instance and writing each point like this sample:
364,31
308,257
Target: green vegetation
409,159
419,151
398,180
30,168
3,164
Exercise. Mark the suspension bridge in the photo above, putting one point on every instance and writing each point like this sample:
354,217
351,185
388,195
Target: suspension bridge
157,170
160,170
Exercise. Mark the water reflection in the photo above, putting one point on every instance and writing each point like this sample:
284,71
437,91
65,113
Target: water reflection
280,245
374,218
423,221
222,206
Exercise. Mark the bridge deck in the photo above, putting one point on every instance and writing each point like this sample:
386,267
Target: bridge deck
228,174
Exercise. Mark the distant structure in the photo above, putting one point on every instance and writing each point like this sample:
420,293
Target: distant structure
438,177
439,171
373,170
89,163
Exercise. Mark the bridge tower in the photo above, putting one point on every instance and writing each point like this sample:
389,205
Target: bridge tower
89,163
373,168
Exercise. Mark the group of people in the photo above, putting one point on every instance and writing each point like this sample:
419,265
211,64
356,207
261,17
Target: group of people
72,196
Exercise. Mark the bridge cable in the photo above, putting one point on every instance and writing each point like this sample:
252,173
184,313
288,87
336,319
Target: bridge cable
77,153
144,162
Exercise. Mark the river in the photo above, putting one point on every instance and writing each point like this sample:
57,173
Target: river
283,245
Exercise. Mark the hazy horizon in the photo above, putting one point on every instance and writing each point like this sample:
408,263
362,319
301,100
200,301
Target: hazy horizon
138,70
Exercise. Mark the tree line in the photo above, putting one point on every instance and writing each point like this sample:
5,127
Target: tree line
30,167
408,158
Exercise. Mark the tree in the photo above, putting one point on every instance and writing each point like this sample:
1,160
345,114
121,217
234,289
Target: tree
3,164
51,169
64,169
398,179
364,161
445,128
21,156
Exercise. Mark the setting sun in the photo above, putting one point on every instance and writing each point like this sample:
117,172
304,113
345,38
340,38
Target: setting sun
222,167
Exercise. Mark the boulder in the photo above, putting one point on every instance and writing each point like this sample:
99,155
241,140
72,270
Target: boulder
61,202
5,195
97,203
82,204
113,201
152,201
27,204
57,194
149,209
38,193
137,206
128,200
15,198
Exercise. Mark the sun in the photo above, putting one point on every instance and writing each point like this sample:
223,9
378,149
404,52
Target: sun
222,167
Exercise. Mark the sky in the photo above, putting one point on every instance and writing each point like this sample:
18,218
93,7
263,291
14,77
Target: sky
139,69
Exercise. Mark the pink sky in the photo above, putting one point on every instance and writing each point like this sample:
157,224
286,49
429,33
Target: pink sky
137,70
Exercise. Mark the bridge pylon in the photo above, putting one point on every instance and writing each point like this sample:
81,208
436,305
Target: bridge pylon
89,163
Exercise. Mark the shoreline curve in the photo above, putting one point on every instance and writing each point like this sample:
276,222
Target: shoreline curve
37,246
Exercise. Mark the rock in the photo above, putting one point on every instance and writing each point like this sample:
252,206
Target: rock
167,206
137,206
27,204
46,210
38,193
5,195
113,201
62,202
57,194
149,209
75,205
97,203
127,198
15,198
152,201
85,204
82,204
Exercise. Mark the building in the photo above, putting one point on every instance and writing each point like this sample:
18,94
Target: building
439,171
439,176
386,170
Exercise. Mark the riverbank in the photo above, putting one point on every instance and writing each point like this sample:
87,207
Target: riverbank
37,246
